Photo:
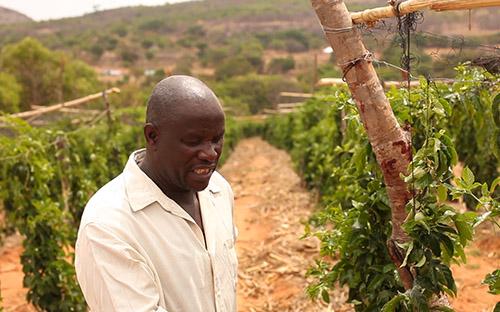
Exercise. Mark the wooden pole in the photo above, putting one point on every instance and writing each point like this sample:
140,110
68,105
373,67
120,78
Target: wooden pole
108,108
390,142
409,6
55,107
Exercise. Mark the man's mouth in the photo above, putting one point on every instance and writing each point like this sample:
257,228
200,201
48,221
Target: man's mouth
202,171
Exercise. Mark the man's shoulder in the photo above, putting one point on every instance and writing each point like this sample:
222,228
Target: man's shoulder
108,202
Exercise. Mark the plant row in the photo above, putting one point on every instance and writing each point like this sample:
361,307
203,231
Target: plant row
330,148
47,176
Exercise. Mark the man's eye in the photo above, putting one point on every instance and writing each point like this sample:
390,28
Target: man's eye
218,139
192,142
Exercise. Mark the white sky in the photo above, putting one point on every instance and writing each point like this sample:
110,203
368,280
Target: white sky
53,9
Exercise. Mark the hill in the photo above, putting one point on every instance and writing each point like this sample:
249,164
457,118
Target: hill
204,33
8,16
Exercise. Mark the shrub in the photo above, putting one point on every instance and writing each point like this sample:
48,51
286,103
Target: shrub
281,65
10,93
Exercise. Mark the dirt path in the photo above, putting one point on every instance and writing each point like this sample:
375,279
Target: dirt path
271,205
270,208
483,257
11,277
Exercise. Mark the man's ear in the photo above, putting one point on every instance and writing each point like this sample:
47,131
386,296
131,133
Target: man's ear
151,134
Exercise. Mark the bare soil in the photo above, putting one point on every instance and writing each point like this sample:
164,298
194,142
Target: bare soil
271,206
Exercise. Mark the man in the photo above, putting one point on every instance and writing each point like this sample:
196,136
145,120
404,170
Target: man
160,236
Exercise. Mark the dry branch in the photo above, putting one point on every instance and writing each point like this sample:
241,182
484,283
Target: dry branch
56,107
410,6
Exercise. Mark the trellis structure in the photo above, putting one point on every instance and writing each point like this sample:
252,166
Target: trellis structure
47,109
410,6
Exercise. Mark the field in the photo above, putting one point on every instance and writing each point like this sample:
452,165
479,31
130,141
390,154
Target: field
269,216
348,197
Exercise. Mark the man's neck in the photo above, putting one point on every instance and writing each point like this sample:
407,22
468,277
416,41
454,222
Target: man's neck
185,198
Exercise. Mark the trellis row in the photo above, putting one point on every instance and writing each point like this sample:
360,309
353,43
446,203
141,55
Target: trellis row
390,143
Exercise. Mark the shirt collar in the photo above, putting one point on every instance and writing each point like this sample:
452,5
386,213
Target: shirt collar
142,191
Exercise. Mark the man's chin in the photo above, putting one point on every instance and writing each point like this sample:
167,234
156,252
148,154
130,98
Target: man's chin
199,183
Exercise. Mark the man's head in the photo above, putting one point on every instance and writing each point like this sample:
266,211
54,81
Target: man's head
184,133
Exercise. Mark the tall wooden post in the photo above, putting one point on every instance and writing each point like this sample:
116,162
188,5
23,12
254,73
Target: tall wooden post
390,142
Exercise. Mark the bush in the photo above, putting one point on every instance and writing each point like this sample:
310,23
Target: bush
183,66
256,92
10,93
281,65
129,56
233,66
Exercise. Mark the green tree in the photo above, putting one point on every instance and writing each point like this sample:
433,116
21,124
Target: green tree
46,76
33,66
255,91
79,79
281,65
233,66
10,93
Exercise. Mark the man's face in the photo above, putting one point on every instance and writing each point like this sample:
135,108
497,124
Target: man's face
189,148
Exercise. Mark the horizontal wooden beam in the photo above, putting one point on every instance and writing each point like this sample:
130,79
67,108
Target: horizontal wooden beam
323,82
296,94
79,111
289,105
410,6
76,102
330,82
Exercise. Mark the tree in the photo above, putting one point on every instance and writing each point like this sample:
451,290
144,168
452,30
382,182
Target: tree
10,93
233,66
32,65
45,76
79,79
281,65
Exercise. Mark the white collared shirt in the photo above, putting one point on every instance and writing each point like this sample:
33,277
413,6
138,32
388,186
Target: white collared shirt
137,250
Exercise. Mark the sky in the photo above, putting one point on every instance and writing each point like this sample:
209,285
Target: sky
53,9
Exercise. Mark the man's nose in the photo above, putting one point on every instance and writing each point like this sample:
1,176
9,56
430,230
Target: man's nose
209,152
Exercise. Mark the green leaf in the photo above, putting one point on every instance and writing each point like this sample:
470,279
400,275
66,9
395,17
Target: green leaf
325,296
493,281
482,218
408,251
484,190
494,184
464,231
392,304
442,193
468,176
421,262
445,105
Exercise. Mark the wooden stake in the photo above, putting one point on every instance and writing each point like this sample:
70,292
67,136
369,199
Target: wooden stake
390,143
55,107
108,108
409,6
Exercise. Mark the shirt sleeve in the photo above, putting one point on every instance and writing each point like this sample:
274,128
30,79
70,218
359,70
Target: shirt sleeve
113,276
